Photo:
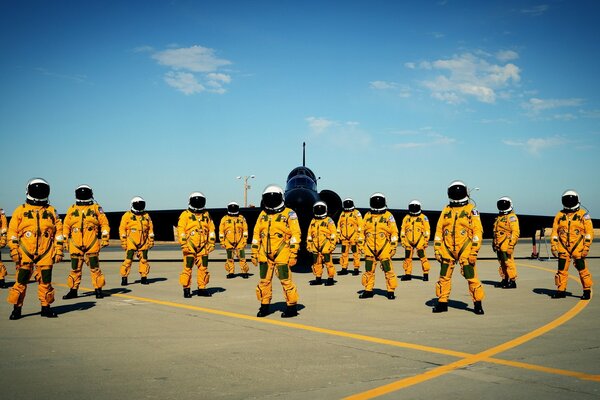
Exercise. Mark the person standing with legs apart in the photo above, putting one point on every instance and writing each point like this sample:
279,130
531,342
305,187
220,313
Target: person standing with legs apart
572,235
197,238
35,239
350,235
275,245
321,241
233,236
506,235
458,240
86,229
137,237
381,241
414,235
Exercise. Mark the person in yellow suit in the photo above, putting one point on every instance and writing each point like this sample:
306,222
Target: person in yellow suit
197,238
86,229
233,236
506,235
572,236
3,241
35,239
381,241
321,241
275,245
350,235
137,237
414,235
457,239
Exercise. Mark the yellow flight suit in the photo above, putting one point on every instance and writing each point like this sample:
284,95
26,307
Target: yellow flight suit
275,245
506,235
3,241
572,236
414,235
197,239
233,235
381,240
458,239
86,229
321,241
35,242
350,235
137,237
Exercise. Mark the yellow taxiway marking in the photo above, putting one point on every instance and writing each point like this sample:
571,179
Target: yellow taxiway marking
486,356
465,358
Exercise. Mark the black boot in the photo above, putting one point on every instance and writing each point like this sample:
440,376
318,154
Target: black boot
48,313
16,313
230,276
290,311
2,283
425,277
559,294
187,293
124,281
245,275
71,295
317,281
203,293
367,294
99,294
406,277
512,284
343,271
391,295
355,272
329,282
440,307
144,280
587,294
477,309
503,283
263,311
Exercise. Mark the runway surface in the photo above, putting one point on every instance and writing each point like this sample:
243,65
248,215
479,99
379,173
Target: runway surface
148,342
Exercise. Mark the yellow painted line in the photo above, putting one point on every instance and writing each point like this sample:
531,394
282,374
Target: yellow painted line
466,358
486,356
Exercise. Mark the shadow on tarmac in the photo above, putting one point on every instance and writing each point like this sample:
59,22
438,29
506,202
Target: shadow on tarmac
459,305
550,292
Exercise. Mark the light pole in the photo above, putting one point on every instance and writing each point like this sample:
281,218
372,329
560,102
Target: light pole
246,187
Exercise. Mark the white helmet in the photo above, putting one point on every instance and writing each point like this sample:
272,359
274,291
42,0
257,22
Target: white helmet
320,209
377,202
273,199
233,208
505,205
458,193
570,200
38,191
414,207
84,195
196,202
138,205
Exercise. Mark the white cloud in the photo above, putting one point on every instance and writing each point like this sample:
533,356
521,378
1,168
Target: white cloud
427,138
194,59
319,125
535,11
535,105
192,69
507,55
536,145
469,76
184,82
382,85
347,134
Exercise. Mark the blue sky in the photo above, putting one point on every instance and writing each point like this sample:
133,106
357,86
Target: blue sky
163,98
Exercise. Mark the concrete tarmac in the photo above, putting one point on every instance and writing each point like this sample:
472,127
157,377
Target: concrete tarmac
148,342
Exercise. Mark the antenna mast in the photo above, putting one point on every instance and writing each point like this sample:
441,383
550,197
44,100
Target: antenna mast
304,154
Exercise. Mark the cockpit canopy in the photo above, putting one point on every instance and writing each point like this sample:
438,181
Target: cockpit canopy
301,177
